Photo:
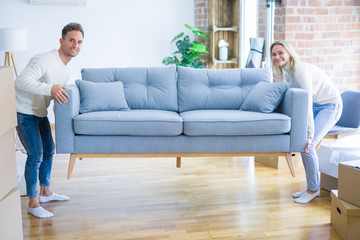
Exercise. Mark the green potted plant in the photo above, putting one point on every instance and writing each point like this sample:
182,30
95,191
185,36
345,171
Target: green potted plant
188,53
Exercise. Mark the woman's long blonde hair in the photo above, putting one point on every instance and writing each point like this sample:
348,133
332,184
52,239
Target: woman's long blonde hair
294,57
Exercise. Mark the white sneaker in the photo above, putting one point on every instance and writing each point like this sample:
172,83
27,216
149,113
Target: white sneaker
307,197
39,212
53,197
298,194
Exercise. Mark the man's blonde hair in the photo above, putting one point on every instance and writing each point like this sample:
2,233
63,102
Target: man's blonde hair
294,57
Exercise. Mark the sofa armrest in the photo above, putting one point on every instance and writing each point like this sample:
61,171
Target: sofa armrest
295,105
64,114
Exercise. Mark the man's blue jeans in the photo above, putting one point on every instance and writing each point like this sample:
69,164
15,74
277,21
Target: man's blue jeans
35,135
325,117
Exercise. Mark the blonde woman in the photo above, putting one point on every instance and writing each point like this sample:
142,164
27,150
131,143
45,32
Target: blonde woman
325,107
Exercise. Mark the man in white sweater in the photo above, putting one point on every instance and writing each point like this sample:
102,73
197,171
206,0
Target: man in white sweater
43,79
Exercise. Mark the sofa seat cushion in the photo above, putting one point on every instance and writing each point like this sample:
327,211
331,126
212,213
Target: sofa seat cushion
130,123
234,122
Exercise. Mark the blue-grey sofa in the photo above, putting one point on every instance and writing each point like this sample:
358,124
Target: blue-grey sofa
164,112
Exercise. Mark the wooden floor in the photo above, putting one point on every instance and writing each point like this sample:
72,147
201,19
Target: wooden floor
150,199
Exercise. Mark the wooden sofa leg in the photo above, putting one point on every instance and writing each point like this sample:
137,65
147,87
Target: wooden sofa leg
71,165
290,163
178,162
318,145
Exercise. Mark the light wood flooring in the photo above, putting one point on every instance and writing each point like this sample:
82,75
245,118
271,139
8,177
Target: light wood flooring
151,199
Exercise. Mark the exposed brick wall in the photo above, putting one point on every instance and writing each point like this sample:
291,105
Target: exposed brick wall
202,20
262,19
201,15
324,32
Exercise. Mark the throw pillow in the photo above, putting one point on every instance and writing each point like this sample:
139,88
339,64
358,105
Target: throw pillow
265,97
103,96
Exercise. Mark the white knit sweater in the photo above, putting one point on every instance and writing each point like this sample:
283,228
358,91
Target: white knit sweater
319,86
33,86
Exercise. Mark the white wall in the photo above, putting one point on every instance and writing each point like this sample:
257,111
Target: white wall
118,33
249,27
251,24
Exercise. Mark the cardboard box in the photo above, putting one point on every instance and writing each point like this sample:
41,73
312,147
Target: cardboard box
345,218
8,179
11,217
279,162
8,118
348,180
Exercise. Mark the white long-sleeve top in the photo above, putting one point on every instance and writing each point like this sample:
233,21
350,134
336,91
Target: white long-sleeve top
319,86
33,86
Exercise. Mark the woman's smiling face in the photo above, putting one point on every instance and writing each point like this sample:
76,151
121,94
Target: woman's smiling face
279,55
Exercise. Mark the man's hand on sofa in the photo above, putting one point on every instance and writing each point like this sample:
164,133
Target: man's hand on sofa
58,92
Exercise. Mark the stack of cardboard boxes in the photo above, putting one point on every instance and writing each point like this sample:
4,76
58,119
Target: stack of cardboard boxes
10,206
345,202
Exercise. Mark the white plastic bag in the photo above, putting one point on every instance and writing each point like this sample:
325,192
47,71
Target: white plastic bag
345,149
20,163
349,143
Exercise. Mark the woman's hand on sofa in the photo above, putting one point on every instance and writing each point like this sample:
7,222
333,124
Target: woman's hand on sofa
308,143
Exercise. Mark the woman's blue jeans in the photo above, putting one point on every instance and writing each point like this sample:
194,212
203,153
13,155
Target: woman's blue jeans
325,117
35,135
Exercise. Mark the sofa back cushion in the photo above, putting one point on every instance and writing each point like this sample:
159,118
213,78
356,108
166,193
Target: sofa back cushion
144,87
201,89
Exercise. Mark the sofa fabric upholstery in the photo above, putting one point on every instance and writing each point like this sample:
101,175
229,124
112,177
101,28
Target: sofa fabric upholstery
234,123
265,97
292,105
145,88
192,111
129,123
181,144
101,96
201,89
